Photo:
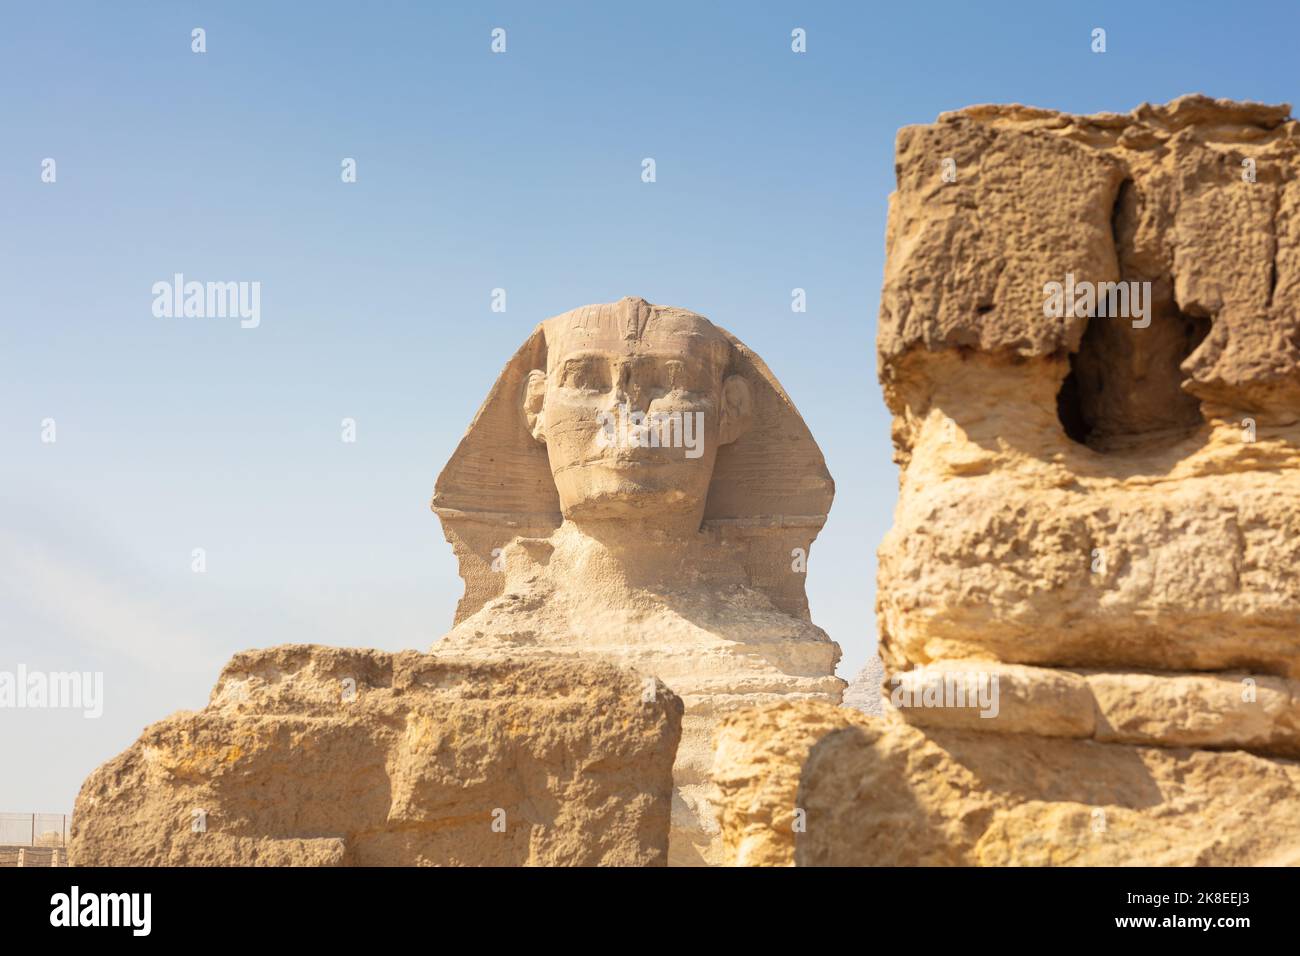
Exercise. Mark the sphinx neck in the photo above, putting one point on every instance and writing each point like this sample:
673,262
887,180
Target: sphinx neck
651,556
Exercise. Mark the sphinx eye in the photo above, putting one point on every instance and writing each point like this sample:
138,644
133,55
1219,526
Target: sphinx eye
586,374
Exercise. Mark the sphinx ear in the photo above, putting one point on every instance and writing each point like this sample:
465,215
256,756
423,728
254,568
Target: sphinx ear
737,409
534,397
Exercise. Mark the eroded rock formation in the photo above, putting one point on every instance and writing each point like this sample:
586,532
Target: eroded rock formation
880,792
315,756
1164,533
674,543
1090,343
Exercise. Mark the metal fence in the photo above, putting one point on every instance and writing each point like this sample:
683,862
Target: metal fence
34,829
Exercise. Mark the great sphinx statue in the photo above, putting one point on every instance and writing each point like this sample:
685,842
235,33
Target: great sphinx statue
637,487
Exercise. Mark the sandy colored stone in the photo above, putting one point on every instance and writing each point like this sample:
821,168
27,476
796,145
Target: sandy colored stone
758,759
1098,509
1159,537
995,698
1164,709
317,756
575,542
1248,712
880,792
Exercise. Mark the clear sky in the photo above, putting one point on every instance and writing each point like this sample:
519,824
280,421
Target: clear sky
475,171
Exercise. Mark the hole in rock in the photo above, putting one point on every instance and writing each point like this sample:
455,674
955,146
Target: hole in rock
1069,409
1124,389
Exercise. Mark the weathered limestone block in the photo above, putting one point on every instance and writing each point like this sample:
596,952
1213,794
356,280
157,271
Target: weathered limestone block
638,487
1220,710
1090,343
873,791
317,756
1256,713
999,698
1078,490
1157,194
758,762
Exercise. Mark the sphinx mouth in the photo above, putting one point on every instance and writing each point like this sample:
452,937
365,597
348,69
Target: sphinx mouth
626,461
621,463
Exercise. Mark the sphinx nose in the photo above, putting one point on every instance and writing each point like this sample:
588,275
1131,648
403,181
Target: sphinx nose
627,389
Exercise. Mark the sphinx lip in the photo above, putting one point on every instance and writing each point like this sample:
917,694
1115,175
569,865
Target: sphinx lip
627,461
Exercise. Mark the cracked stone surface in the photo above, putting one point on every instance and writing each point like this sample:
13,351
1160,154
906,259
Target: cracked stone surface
1097,508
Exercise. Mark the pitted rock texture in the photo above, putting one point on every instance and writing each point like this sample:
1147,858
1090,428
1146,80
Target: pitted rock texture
879,792
1097,509
1220,710
316,756
1078,491
759,754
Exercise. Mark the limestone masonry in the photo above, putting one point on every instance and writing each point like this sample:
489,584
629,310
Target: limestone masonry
1097,517
317,756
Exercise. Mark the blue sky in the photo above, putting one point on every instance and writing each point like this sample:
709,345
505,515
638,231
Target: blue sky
475,171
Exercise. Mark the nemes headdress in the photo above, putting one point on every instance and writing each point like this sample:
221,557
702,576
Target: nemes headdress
769,495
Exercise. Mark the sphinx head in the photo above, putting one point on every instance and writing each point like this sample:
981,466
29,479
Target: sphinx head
627,417
632,406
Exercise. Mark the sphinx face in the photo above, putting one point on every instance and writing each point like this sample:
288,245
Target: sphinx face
632,425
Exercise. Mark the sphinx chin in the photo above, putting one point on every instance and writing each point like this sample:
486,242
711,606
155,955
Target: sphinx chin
630,493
